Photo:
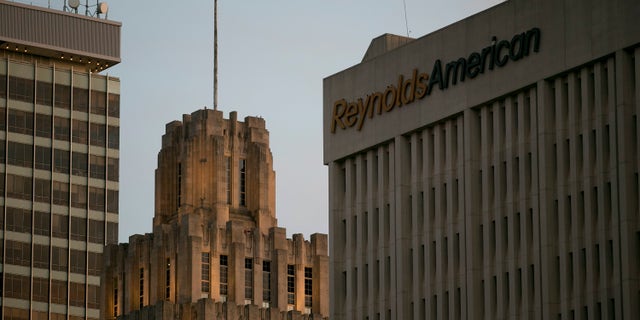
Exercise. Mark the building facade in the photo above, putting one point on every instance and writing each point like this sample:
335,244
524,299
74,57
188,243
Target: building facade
216,251
489,170
59,158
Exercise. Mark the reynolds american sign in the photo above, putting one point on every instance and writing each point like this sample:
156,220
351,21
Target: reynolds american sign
347,114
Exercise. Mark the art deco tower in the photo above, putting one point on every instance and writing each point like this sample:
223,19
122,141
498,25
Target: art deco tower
216,251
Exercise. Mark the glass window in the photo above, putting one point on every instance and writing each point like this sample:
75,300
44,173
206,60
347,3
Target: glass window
59,260
16,286
112,232
78,196
76,294
44,93
43,125
20,154
41,290
3,116
97,134
98,102
80,99
93,297
61,193
266,282
62,97
224,273
114,137
114,105
61,128
78,261
3,86
243,175
291,284
41,223
18,253
59,226
206,271
59,293
18,187
2,151
80,131
112,201
78,228
21,121
308,287
20,89
43,158
41,256
96,231
96,199
79,164
61,161
96,167
248,279
113,169
18,220
42,190
95,263
141,288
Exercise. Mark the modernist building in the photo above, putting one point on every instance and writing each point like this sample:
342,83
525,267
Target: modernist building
216,251
489,170
59,121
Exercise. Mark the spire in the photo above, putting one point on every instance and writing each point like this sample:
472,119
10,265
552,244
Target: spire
215,54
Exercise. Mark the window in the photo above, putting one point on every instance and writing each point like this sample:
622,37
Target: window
114,137
62,98
59,259
96,167
112,201
115,297
79,164
41,223
78,261
18,253
228,170
114,105
41,256
60,193
308,287
112,233
266,283
224,281
78,228
59,292
97,134
41,290
20,154
18,187
206,264
18,220
43,125
141,287
80,99
98,102
61,128
95,263
96,231
44,93
59,226
21,89
243,176
61,161
21,121
43,158
78,196
179,186
80,131
96,199
16,286
291,285
42,190
248,280
93,297
167,285
113,169
76,294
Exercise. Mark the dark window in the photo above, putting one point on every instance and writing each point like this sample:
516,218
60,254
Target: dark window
224,274
80,131
93,297
21,121
98,102
61,193
3,86
42,190
80,99
62,97
167,285
18,220
2,151
20,154
16,286
243,187
78,261
291,284
41,223
76,294
41,256
96,167
3,118
97,134
308,287
112,232
61,161
59,259
78,196
113,169
43,125
78,228
59,226
18,253
95,263
206,271
18,187
114,105
43,158
96,231
79,164
141,287
59,292
266,281
44,93
96,198
41,290
248,278
61,128
21,89
112,201
114,137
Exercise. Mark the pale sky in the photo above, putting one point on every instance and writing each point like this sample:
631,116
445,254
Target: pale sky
273,56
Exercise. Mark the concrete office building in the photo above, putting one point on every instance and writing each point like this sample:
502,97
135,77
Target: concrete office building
216,251
59,124
489,170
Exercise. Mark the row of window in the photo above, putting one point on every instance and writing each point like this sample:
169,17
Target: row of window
23,314
44,223
60,128
60,96
76,163
59,193
17,286
45,257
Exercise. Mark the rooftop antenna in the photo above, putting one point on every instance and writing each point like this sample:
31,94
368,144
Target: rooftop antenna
215,55
406,21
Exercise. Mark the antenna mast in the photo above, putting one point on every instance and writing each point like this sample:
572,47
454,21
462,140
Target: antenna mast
215,54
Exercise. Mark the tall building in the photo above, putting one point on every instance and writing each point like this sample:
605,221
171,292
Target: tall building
59,121
489,170
216,251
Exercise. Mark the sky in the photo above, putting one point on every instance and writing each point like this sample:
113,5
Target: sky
272,58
